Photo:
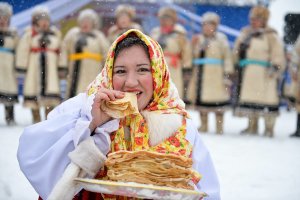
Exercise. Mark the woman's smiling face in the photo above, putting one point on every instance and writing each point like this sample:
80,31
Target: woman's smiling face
132,73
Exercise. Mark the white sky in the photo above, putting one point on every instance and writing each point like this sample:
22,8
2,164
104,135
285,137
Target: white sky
278,9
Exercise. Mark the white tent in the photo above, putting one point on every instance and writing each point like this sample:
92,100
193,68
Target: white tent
61,8
198,19
58,9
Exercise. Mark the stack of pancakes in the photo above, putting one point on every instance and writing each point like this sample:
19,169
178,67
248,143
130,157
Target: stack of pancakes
151,168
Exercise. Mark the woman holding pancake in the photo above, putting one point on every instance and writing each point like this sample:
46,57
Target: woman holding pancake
79,134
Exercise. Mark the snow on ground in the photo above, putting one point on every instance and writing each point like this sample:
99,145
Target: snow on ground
13,184
249,167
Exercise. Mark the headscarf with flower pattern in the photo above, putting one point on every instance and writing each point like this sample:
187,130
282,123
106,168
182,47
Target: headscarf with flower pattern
165,101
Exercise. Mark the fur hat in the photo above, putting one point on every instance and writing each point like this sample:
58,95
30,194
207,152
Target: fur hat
40,12
259,12
167,12
125,9
5,9
89,14
211,17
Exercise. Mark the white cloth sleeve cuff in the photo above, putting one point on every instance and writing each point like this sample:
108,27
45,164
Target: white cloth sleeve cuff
81,131
108,127
102,138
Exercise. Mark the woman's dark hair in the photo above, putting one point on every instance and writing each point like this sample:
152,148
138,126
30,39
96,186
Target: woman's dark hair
129,41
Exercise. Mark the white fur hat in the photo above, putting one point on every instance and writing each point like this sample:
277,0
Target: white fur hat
5,9
127,9
259,12
211,17
40,12
167,12
89,14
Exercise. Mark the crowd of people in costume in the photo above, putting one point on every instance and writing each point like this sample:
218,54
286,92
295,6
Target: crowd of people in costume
208,74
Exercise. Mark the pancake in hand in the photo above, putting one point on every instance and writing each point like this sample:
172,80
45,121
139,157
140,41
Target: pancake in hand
120,108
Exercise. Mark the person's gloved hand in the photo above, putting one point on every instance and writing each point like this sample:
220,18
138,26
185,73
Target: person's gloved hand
102,135
227,80
273,71
228,85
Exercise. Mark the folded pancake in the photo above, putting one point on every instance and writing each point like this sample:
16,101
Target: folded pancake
121,107
151,168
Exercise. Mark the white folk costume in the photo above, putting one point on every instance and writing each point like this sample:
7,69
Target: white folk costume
116,30
261,61
8,79
212,62
38,55
176,48
157,128
83,53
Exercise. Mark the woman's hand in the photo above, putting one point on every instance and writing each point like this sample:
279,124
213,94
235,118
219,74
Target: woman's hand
98,116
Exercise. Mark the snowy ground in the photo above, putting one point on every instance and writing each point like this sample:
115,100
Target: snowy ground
249,167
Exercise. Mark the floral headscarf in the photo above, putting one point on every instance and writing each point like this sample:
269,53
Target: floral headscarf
165,101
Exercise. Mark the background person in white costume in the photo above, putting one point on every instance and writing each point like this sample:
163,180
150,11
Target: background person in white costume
259,55
37,55
83,52
172,37
210,83
124,20
8,80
